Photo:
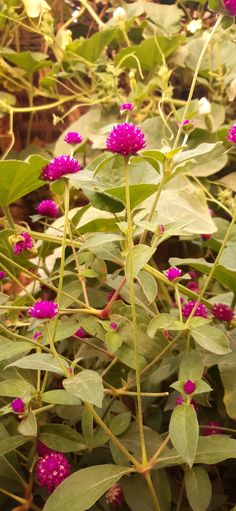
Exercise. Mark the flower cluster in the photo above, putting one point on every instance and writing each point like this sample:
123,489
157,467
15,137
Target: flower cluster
230,6
73,138
115,495
126,106
212,428
188,307
59,167
18,405
43,310
48,208
126,139
2,275
52,469
231,135
222,312
173,273
24,243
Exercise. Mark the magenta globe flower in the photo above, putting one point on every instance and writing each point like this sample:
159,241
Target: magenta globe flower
48,208
180,401
127,106
212,428
2,275
173,273
222,312
25,243
52,469
43,310
115,496
193,286
230,6
81,333
59,167
113,325
126,139
18,405
43,450
189,387
231,135
73,138
189,306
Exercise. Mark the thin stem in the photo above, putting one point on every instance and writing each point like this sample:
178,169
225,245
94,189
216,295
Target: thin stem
155,457
92,12
152,491
8,215
133,308
194,81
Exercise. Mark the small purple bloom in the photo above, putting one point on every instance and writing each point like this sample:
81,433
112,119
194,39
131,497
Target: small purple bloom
213,429
115,495
43,310
173,273
193,285
231,135
126,139
113,325
2,275
48,208
206,237
73,138
180,401
59,167
81,333
18,405
162,229
186,122
37,335
43,450
111,294
189,387
25,243
222,312
127,106
189,306
52,469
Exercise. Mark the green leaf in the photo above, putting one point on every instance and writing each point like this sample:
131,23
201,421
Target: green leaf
141,256
164,321
30,61
215,448
113,341
227,368
191,367
87,427
120,423
14,388
148,284
87,386
138,193
60,397
83,488
184,432
211,338
92,47
12,442
61,438
10,349
225,272
65,329
198,488
43,361
28,426
18,178
100,239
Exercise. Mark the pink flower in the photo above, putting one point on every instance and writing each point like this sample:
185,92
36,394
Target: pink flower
81,333
192,274
126,139
231,135
205,237
111,294
2,275
43,310
43,450
193,286
127,106
173,273
25,243
189,387
186,122
18,405
222,312
115,496
37,335
113,325
52,469
59,167
212,430
230,6
48,208
73,138
180,401
189,306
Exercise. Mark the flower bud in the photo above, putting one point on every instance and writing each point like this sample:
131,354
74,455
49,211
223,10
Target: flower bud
119,14
204,106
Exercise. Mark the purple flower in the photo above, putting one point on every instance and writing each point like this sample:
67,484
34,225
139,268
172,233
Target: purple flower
189,387
43,310
52,469
59,167
25,243
2,275
115,496
162,229
214,430
48,208
111,294
173,273
126,139
127,106
43,450
37,335
222,312
81,333
18,405
193,286
73,138
231,135
205,237
189,306
192,274
113,325
186,122
180,401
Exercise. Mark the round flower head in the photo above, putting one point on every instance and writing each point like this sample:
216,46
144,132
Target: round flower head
25,243
189,387
180,401
213,429
126,106
193,285
204,106
115,496
73,138
222,312
43,450
173,273
126,139
2,275
81,333
59,167
189,306
113,325
206,237
37,335
43,310
52,469
230,6
231,135
119,14
48,208
18,405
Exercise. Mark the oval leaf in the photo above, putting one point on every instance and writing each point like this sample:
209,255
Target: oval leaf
212,339
86,385
198,488
184,432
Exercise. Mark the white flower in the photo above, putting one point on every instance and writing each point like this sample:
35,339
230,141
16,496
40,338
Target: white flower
35,8
194,25
119,14
204,106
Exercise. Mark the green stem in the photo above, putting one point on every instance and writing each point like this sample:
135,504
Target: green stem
92,12
194,81
8,215
152,491
132,303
